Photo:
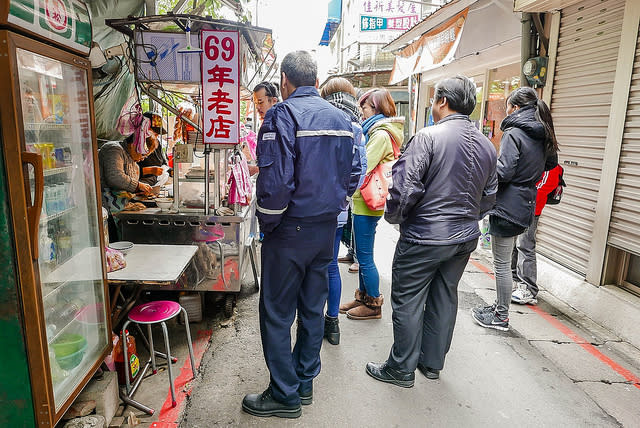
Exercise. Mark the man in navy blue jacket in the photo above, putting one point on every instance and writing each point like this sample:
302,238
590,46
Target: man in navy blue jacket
305,152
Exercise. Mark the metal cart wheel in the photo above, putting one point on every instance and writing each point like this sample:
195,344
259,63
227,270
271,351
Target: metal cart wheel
229,303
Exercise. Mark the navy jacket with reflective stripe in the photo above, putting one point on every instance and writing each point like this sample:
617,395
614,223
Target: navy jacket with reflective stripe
305,154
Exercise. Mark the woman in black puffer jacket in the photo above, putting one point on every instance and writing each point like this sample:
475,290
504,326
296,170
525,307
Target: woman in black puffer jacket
528,141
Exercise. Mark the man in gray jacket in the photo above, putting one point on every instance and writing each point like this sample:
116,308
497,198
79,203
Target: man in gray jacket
444,182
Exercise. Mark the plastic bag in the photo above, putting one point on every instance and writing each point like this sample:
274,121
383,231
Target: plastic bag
115,259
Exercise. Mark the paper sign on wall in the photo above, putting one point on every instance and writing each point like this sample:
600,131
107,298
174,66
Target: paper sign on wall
221,86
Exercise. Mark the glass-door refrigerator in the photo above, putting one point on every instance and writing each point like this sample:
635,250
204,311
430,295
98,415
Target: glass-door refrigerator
55,314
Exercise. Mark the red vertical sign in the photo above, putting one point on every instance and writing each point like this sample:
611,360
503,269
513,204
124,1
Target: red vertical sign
221,86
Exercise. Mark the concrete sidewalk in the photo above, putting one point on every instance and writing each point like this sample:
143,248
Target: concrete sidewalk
555,367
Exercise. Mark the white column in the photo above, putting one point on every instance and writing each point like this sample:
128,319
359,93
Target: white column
613,144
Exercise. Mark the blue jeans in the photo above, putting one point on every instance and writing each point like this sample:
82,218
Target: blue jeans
364,228
335,283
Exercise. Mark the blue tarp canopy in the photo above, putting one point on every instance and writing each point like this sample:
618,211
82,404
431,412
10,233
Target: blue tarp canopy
333,20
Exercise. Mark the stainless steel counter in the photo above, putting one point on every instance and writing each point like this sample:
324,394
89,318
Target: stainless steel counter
225,243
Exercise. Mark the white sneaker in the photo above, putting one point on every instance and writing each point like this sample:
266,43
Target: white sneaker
523,296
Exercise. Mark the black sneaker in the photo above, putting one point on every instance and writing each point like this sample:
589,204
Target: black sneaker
428,372
483,309
491,320
265,405
306,393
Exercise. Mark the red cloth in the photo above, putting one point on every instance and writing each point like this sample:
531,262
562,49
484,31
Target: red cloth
549,181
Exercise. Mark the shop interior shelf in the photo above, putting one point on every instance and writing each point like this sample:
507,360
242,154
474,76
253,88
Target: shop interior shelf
83,266
46,126
55,171
45,219
66,328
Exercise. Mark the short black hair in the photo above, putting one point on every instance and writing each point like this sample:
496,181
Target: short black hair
300,68
271,89
460,92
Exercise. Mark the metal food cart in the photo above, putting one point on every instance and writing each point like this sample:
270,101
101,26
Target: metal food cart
166,66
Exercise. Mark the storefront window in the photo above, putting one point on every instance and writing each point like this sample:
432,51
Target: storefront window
502,81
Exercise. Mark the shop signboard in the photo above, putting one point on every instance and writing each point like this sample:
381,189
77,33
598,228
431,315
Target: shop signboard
64,22
374,23
434,48
221,87
378,21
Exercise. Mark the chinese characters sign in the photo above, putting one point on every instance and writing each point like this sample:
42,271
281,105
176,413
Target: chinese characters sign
65,22
389,7
372,23
221,86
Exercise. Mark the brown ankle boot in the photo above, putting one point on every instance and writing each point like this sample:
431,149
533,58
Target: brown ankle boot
359,297
372,309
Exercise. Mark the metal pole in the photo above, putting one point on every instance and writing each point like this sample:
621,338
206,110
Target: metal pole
410,121
525,46
216,180
207,151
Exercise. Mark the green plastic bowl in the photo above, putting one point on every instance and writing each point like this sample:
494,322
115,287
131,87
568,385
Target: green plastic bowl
71,361
68,344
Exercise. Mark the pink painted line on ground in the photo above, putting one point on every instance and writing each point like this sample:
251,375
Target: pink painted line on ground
630,377
169,415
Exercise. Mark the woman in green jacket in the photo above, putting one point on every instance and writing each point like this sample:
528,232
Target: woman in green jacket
380,126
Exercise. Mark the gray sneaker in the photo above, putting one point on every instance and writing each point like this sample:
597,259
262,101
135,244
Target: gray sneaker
491,320
482,309
523,296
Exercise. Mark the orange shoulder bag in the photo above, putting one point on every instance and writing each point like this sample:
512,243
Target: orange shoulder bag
375,187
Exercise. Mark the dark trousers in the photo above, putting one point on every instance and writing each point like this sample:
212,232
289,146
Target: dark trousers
524,268
424,299
295,261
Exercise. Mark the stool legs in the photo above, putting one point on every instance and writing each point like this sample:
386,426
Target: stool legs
188,330
165,333
152,351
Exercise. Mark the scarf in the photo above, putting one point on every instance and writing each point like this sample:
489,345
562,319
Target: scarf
347,103
368,124
131,121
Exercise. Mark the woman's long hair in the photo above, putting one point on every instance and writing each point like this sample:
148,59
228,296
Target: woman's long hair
527,96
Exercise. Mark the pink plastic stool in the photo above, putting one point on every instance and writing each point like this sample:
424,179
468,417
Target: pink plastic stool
154,313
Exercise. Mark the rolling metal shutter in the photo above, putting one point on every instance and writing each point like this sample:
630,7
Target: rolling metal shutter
581,101
624,229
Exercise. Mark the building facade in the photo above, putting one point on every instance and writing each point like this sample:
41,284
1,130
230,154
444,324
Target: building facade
480,39
593,89
360,30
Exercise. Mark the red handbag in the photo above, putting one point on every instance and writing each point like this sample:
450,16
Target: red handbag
375,187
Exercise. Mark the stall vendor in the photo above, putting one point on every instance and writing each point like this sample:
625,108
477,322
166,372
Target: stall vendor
119,171
152,166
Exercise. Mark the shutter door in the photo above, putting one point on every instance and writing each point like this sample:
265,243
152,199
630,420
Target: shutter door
624,230
586,60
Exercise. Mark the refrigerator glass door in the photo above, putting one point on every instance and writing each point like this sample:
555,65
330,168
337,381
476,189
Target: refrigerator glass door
57,125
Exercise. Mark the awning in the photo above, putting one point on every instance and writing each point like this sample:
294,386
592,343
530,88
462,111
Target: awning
446,11
437,47
446,42
333,21
329,31
542,5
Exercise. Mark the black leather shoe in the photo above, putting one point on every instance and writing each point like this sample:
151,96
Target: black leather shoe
265,405
428,372
306,393
332,329
384,373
